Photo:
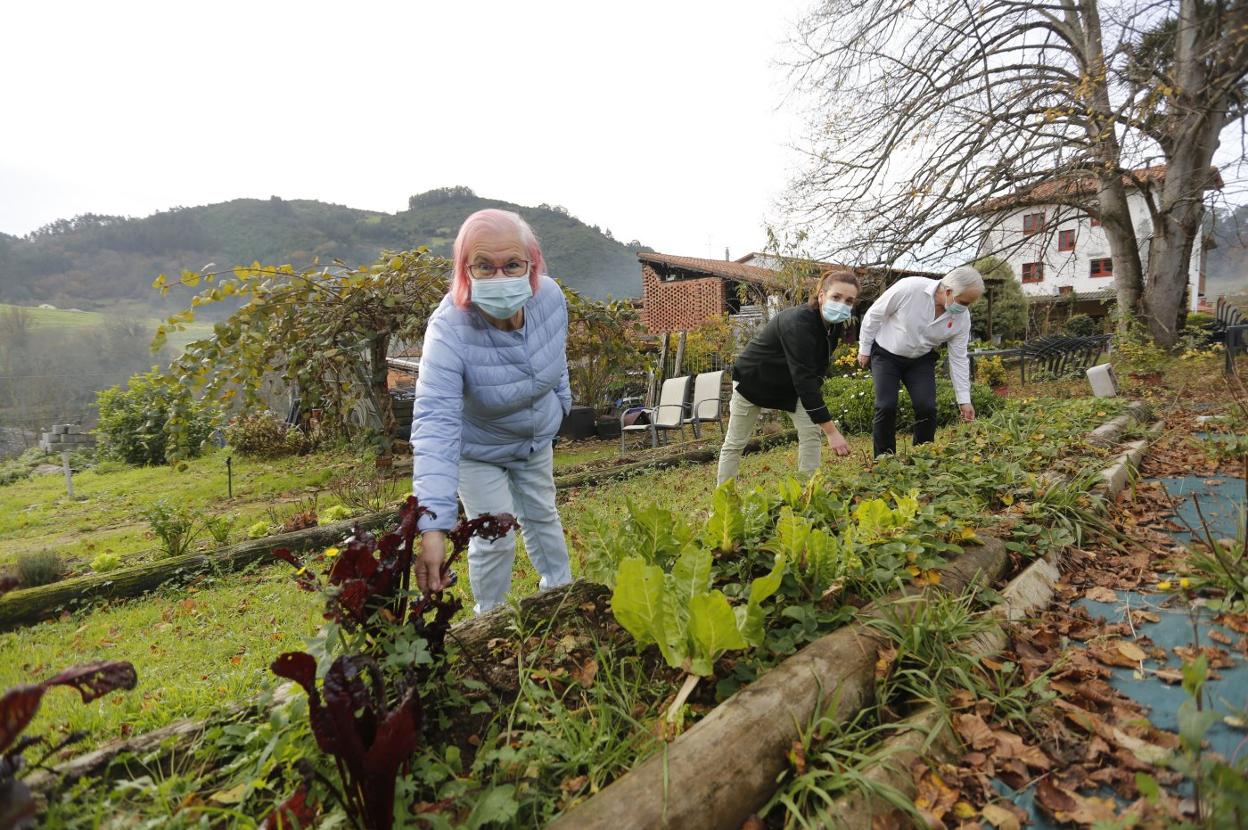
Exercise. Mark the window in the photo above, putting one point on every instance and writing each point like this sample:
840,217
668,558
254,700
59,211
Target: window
1033,271
1101,268
1063,290
1065,240
1033,223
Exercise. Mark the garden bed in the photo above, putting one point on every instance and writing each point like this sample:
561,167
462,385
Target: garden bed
578,692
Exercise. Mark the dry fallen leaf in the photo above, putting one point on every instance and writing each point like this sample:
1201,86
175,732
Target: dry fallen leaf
974,731
1170,676
1053,798
1100,593
1131,651
1090,810
1010,745
999,817
586,673
884,662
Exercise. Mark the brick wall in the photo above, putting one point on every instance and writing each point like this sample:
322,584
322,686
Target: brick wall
680,305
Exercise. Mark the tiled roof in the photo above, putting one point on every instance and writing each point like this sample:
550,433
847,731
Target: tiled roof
742,272
1079,185
712,267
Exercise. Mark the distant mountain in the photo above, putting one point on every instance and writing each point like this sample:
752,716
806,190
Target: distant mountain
97,262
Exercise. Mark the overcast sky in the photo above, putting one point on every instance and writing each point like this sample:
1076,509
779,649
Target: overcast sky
657,119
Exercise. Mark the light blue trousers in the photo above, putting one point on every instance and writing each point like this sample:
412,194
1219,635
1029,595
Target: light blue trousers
527,490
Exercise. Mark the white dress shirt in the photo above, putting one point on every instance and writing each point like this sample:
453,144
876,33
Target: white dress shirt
903,320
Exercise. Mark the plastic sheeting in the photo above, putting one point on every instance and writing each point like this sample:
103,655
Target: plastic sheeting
1221,502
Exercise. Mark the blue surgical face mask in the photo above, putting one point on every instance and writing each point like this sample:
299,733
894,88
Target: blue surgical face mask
834,312
501,297
955,308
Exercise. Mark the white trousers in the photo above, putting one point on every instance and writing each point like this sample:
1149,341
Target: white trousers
525,489
742,415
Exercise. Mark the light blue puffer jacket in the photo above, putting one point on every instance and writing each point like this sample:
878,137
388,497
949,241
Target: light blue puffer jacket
485,394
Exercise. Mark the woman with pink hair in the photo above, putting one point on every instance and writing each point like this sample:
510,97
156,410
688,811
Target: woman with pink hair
490,395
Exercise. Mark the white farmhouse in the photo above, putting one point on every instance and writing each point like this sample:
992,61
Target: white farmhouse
1056,249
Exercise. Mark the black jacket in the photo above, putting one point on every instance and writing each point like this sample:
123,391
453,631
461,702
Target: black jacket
787,360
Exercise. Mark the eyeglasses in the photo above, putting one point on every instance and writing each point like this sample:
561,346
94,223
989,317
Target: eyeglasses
514,268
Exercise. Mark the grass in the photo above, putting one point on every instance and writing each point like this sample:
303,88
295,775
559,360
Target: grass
582,452
66,320
196,649
105,518
184,641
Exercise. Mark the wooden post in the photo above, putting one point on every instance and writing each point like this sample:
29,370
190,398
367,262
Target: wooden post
990,293
69,477
680,354
660,373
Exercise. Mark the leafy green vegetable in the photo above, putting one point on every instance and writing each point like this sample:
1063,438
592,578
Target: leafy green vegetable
691,624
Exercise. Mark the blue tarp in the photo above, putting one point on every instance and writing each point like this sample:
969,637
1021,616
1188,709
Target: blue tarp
1222,504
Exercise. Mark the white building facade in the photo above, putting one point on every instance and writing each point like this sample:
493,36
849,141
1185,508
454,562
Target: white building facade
1057,249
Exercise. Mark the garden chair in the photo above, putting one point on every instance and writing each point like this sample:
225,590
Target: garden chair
667,415
708,402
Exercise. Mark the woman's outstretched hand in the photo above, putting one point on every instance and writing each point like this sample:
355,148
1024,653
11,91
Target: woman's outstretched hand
429,562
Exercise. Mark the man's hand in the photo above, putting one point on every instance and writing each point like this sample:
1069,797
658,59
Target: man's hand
864,360
429,562
968,412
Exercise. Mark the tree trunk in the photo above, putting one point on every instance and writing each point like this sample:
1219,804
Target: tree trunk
1197,114
379,385
1111,194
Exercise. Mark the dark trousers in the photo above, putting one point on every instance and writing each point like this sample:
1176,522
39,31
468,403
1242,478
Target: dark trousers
889,371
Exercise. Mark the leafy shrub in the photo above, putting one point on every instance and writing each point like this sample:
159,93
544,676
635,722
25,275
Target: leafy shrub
336,513
852,403
302,516
106,562
1135,352
1198,320
18,469
134,424
263,435
1081,325
369,492
844,362
991,370
259,530
175,527
220,528
1009,304
42,567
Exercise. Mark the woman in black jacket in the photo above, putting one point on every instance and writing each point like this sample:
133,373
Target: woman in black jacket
783,368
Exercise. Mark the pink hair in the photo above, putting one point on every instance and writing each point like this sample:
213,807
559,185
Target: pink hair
491,220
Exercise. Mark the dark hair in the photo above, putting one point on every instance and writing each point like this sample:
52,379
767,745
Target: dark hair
827,278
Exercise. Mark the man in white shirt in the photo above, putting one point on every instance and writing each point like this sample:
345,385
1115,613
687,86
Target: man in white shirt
899,337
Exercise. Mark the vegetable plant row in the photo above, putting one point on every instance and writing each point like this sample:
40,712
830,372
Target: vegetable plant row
402,726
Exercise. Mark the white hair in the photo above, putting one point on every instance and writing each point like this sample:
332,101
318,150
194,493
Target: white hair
962,279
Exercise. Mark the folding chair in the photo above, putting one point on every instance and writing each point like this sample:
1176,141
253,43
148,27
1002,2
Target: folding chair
708,402
669,414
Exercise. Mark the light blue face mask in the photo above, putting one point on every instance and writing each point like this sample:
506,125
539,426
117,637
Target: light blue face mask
502,297
834,312
955,308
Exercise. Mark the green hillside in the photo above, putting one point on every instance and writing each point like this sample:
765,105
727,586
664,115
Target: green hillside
63,322
102,262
